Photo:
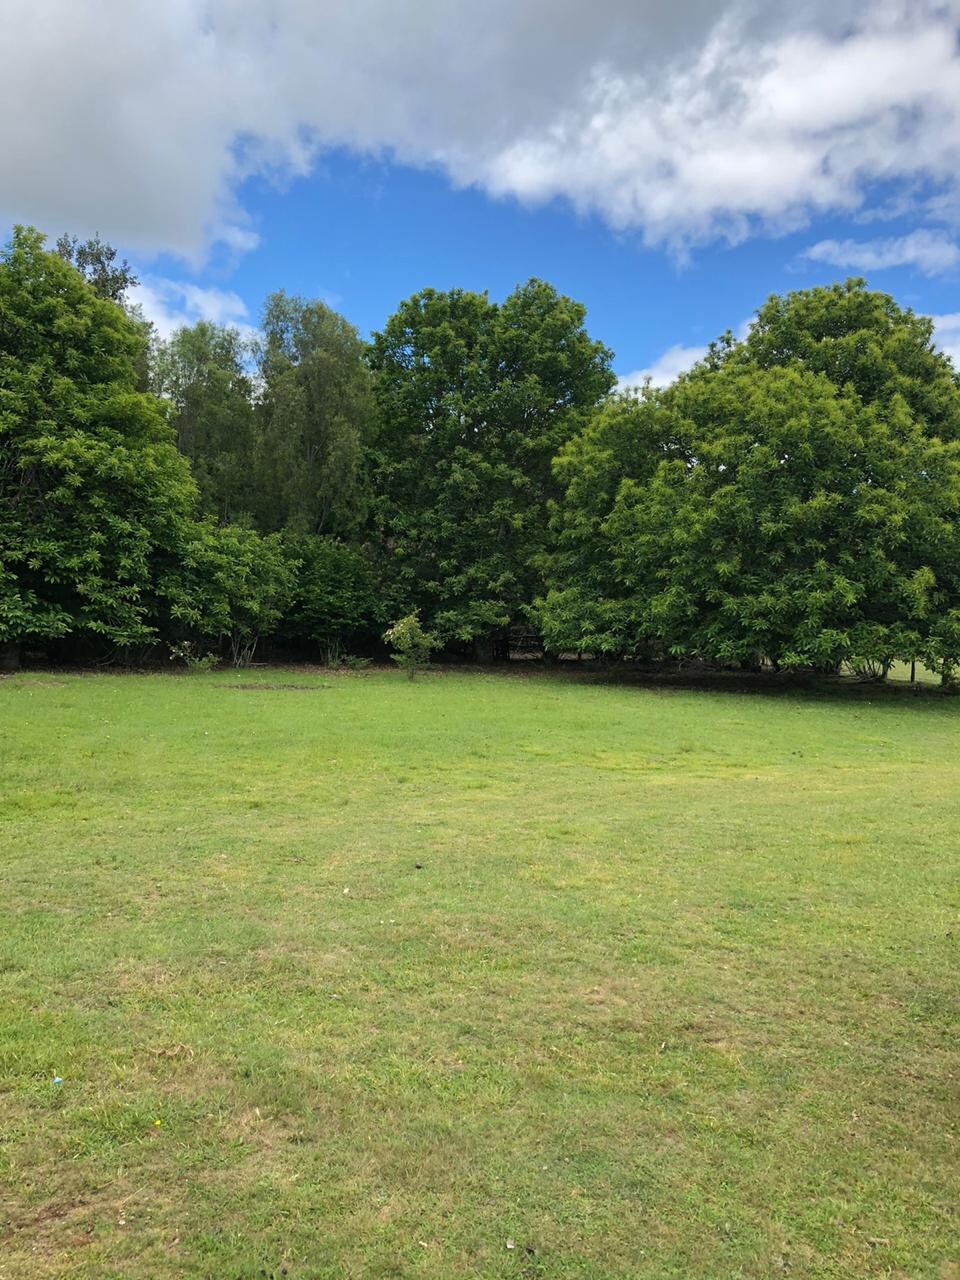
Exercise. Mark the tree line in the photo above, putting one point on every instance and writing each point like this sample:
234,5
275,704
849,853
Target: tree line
790,501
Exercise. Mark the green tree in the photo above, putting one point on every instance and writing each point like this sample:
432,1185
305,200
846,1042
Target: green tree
335,600
201,371
413,645
94,496
765,513
315,419
96,260
861,338
587,607
97,263
474,399
230,586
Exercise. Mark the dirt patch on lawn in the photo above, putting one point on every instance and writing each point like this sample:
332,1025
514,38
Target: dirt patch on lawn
294,688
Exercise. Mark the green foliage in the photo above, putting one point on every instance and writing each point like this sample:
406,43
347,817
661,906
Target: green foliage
201,372
335,600
97,263
474,399
792,499
94,497
316,416
586,606
413,645
756,513
231,587
195,662
860,338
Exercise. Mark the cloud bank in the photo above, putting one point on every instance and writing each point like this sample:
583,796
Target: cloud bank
683,122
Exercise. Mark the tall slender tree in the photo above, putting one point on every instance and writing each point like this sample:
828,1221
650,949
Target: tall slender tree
315,419
202,372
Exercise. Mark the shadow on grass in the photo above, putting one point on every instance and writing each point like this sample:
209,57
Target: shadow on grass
663,679
841,688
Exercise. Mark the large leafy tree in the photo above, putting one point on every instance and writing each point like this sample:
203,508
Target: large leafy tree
760,512
315,414
94,496
474,399
860,338
111,277
202,372
588,606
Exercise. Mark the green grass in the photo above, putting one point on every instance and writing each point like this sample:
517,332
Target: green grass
672,994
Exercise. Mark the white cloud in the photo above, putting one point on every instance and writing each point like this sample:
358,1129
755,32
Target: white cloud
665,369
753,132
675,360
681,120
171,304
947,335
932,252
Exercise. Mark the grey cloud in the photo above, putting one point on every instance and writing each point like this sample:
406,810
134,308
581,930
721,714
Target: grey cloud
679,120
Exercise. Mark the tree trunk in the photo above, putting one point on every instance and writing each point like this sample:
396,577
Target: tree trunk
242,649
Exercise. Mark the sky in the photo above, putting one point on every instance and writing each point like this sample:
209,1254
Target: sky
669,164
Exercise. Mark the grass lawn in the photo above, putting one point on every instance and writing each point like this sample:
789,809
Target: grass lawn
673,991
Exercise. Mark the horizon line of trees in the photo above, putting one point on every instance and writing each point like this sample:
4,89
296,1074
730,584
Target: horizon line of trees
792,500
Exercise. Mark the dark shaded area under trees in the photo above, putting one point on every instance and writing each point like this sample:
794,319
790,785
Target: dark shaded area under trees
791,502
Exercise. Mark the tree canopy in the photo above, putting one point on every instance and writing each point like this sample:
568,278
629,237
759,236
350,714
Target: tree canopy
97,263
793,500
202,374
860,338
315,419
473,401
93,492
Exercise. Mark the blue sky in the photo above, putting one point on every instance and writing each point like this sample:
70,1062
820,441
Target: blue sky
669,163
363,234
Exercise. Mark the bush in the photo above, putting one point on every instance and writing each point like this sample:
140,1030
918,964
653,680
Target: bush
193,660
231,587
413,645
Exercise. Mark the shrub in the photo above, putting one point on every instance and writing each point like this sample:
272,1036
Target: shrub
191,658
413,645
